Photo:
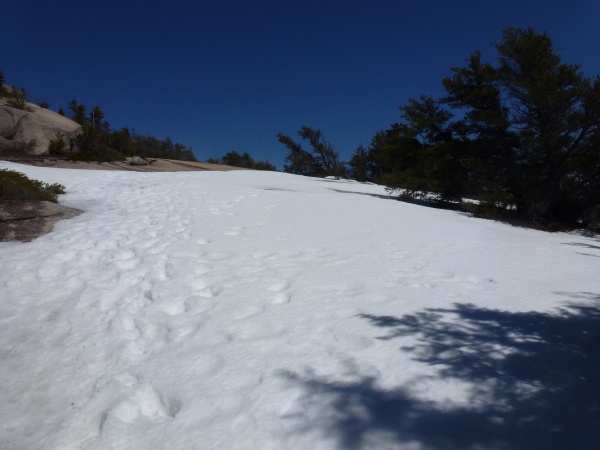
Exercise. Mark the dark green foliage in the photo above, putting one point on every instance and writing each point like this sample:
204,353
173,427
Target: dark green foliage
98,143
555,113
323,151
428,119
299,161
93,143
17,98
98,154
57,146
96,116
235,159
522,135
394,158
122,142
3,90
16,187
264,165
244,160
358,166
324,160
77,112
151,147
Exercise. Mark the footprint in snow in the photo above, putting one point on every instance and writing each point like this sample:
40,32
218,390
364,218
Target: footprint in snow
281,296
146,402
233,231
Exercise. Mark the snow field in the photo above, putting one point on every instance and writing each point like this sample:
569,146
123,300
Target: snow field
183,310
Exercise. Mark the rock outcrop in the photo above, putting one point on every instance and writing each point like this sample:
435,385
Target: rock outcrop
136,161
26,221
33,130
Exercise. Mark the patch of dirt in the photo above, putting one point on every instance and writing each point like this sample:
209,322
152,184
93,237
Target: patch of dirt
155,165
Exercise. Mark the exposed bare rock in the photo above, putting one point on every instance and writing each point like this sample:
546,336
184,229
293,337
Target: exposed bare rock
8,122
154,165
34,129
136,161
27,221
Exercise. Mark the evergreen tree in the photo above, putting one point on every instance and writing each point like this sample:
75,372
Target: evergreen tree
2,88
122,142
298,160
439,165
17,98
523,133
95,117
484,131
358,166
244,160
556,113
78,112
235,159
323,150
396,159
324,160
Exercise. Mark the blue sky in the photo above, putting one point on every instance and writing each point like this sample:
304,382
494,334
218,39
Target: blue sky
224,75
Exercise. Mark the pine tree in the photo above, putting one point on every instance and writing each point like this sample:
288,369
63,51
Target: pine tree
78,112
324,160
323,151
523,133
484,130
2,89
556,113
298,160
358,166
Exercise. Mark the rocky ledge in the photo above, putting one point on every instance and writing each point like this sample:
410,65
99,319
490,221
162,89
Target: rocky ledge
33,129
26,221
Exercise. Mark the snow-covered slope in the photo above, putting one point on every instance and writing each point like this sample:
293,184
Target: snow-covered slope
256,310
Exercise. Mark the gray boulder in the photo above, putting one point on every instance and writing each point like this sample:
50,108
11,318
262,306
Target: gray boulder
34,129
27,221
136,161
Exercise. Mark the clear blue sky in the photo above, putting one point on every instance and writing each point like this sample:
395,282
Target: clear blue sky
224,75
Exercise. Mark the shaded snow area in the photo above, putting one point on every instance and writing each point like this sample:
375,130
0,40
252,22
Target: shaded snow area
254,310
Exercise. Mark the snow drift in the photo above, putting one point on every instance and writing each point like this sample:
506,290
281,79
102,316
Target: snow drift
255,310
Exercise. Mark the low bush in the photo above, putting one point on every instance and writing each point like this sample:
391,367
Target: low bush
17,98
17,187
104,154
57,146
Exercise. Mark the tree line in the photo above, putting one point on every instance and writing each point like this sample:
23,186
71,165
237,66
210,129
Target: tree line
243,160
97,142
521,136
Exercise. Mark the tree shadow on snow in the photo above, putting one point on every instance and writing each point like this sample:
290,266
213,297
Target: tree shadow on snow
534,377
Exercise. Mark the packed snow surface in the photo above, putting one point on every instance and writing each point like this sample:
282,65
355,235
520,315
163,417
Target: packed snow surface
255,310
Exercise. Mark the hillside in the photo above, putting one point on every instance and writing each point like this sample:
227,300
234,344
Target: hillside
249,310
30,131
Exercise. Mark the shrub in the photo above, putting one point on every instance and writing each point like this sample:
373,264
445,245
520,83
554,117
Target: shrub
17,98
57,146
17,187
103,154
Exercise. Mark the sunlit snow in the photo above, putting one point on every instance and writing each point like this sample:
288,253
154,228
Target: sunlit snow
254,310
